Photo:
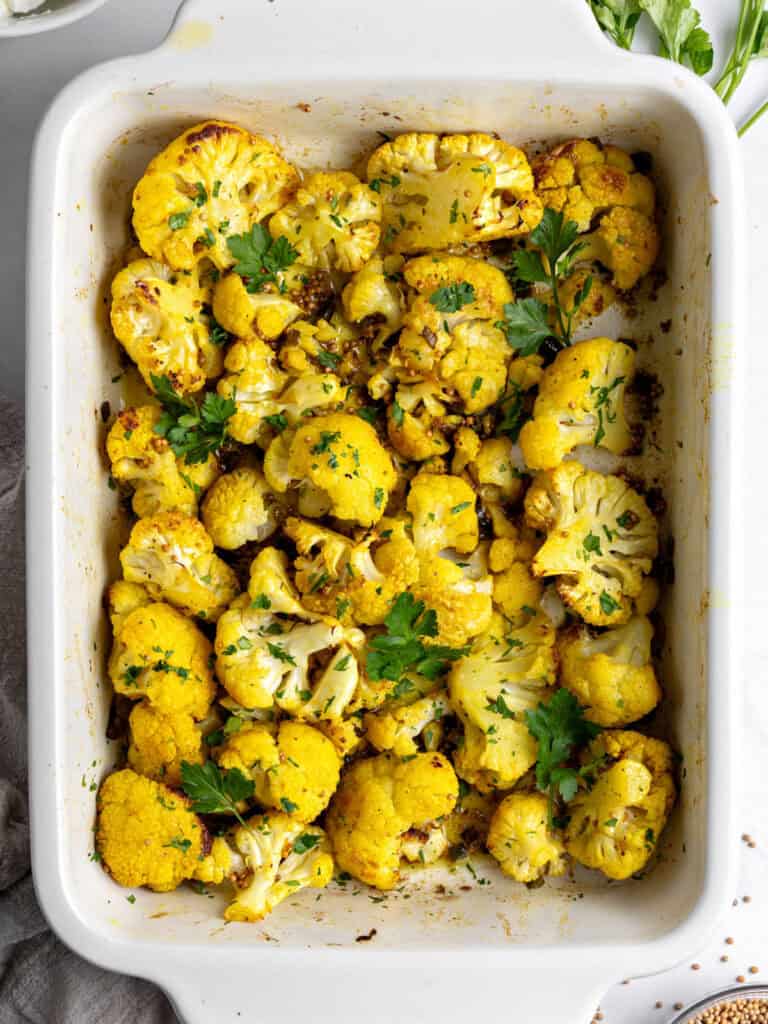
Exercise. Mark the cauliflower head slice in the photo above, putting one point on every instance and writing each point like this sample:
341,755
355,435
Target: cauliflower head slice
280,855
438,192
520,840
240,508
339,466
143,459
160,655
580,401
172,556
160,741
159,317
626,242
333,221
254,381
611,674
146,834
460,596
397,729
263,314
295,769
214,180
507,673
370,293
601,540
615,826
444,516
378,801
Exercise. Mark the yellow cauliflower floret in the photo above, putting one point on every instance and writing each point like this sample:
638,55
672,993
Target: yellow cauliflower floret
124,598
439,192
378,801
240,508
213,181
254,381
146,834
279,856
270,587
580,401
333,221
415,421
444,516
600,297
460,595
521,841
338,465
262,314
142,458
601,540
611,674
159,654
507,673
159,317
370,293
397,729
172,556
160,741
295,769
616,825
516,591
626,242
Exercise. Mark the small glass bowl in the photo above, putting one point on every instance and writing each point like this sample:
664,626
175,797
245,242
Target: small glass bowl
53,14
726,995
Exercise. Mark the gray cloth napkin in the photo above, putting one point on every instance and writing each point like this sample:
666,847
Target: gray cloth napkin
41,981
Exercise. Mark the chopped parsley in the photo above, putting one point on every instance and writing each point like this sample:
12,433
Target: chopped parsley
261,259
177,221
402,647
453,297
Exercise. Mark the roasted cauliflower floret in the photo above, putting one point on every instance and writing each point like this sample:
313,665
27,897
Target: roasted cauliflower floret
159,317
172,556
397,729
460,596
213,181
254,381
240,508
439,192
160,741
611,673
160,655
626,242
122,599
378,801
580,401
280,855
616,825
261,314
520,840
516,591
294,769
506,673
333,221
415,421
143,459
371,293
146,834
601,540
444,516
338,465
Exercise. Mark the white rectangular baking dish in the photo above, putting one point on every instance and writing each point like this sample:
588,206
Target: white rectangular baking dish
323,80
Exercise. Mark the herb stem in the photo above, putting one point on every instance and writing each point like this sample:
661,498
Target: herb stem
754,117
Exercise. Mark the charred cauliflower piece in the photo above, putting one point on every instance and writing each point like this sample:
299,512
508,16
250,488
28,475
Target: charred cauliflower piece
240,508
333,221
580,401
172,556
611,673
213,181
601,540
615,826
338,465
378,801
372,296
444,516
439,192
160,741
159,317
521,841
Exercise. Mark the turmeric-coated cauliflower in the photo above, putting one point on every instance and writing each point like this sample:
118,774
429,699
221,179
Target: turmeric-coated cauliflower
370,293
415,421
122,599
459,594
601,540
338,465
580,401
172,556
213,181
253,380
160,317
444,516
294,768
615,825
140,457
397,729
332,222
262,314
378,801
161,740
520,839
442,191
611,673
240,508
626,242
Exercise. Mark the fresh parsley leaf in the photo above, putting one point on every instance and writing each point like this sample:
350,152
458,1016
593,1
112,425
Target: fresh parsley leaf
528,267
554,235
343,663
682,39
201,197
217,333
398,413
277,421
259,257
460,507
213,791
607,604
453,297
176,221
192,430
327,438
591,545
618,19
178,843
306,841
401,648
512,412
261,601
288,805
499,707
526,325
279,652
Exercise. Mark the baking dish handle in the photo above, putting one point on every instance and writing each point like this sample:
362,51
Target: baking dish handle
506,31
451,993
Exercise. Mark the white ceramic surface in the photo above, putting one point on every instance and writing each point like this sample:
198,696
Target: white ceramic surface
55,14
248,61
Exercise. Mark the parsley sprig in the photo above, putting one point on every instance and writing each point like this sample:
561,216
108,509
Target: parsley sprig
261,258
453,297
401,649
192,430
618,19
213,791
560,728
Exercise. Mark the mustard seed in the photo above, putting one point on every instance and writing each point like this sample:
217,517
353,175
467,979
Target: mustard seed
695,967
729,941
740,978
753,970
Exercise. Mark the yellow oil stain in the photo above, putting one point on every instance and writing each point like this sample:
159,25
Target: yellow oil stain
722,358
192,35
